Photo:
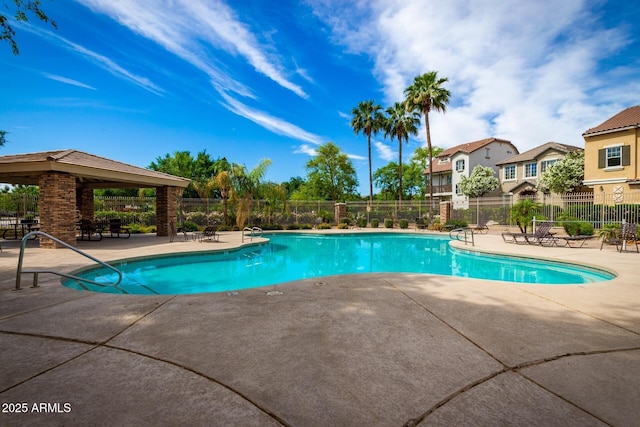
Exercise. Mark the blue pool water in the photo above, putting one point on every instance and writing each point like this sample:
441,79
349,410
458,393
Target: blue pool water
290,257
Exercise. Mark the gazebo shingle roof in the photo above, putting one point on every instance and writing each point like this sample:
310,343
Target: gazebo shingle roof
101,171
628,118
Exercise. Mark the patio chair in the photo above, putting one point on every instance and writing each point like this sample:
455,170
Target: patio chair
541,236
116,228
481,227
627,235
89,229
210,233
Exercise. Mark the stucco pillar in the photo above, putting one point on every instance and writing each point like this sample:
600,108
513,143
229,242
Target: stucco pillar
57,204
166,208
340,211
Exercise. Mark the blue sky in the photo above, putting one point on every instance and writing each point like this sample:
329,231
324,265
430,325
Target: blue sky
254,79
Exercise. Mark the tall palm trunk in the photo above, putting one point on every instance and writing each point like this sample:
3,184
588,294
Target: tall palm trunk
370,173
400,170
426,121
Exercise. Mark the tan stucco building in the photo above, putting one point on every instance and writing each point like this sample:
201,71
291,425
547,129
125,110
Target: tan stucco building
612,155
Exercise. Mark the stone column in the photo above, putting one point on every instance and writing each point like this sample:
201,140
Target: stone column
57,204
166,208
85,203
445,212
340,211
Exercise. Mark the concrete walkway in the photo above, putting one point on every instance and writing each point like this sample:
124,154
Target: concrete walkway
366,350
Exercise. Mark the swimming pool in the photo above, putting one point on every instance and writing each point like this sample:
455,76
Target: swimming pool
295,256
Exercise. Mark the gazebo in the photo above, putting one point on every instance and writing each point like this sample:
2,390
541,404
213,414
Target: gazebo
67,179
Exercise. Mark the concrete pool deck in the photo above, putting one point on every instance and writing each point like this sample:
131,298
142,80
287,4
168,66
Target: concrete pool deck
364,350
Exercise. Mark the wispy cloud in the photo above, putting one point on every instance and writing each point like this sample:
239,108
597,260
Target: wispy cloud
522,71
273,124
385,152
101,60
190,28
305,149
68,81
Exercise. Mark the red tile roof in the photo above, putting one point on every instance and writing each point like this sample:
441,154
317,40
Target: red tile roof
629,118
468,147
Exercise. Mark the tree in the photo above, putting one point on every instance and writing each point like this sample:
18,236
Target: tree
245,185
330,174
3,137
565,175
399,124
199,170
223,184
368,119
481,181
22,9
426,94
522,213
386,179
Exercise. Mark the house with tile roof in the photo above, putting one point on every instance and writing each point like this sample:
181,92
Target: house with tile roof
456,162
519,174
612,155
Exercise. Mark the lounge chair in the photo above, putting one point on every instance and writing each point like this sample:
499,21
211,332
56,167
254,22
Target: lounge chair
627,235
481,227
541,236
570,241
210,233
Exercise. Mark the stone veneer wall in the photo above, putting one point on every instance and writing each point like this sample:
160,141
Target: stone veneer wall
166,208
85,203
57,204
445,212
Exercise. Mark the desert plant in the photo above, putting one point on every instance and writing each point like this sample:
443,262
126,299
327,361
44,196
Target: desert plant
404,223
374,223
362,222
343,226
324,226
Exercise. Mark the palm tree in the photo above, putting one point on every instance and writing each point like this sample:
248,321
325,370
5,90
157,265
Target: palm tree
426,93
223,183
368,119
399,123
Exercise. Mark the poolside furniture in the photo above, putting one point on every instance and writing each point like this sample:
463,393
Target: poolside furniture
481,227
570,241
541,236
628,235
116,228
210,233
19,229
90,230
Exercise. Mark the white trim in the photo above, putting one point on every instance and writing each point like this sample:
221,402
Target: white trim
614,168
602,132
591,182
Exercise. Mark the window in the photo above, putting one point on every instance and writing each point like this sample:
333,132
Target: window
509,172
530,170
458,191
614,157
459,165
545,164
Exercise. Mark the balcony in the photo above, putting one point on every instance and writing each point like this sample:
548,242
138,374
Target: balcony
442,189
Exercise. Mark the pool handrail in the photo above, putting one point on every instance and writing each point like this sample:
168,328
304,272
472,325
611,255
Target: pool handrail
255,232
462,231
20,271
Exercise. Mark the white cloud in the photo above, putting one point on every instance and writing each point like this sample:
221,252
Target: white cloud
273,124
67,81
524,71
385,152
189,28
305,149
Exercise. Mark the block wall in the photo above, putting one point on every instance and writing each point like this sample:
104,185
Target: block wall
57,205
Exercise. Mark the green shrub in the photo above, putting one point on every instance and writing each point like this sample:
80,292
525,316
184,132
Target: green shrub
404,223
374,223
325,215
306,226
137,228
324,226
362,222
345,221
190,226
294,226
388,223
343,226
578,228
